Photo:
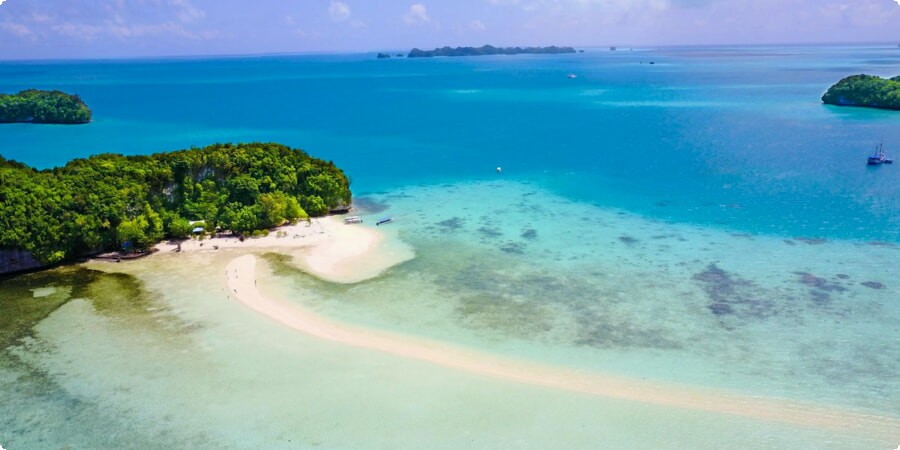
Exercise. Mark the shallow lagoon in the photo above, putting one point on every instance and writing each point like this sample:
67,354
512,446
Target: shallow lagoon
160,352
601,288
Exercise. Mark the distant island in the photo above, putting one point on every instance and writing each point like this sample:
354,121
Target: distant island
866,91
36,106
488,50
115,202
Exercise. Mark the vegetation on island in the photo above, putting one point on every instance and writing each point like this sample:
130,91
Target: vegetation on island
488,50
37,106
110,201
866,91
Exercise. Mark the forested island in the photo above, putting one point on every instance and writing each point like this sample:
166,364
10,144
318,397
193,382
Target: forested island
36,106
866,91
112,202
488,50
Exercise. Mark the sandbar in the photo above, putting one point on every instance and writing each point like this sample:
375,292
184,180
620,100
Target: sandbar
292,315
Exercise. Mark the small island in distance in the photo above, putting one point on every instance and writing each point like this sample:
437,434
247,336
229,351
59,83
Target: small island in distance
865,91
37,106
488,50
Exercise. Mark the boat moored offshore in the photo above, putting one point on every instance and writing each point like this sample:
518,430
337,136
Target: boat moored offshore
878,157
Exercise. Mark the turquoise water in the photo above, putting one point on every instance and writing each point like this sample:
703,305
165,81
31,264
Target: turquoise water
703,222
731,137
510,267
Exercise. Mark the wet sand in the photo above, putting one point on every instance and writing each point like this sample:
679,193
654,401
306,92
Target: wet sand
291,315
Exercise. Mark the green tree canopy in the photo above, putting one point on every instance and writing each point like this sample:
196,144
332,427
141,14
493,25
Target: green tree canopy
179,227
865,90
104,201
43,107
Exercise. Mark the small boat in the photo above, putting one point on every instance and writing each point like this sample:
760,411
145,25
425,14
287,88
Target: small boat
384,221
572,75
878,157
352,219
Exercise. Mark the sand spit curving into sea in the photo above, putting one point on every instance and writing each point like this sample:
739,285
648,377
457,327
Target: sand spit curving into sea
241,281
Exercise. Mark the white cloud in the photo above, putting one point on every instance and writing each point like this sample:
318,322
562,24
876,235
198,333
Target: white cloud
339,11
121,20
41,18
1,2
417,15
898,3
16,29
187,12
478,25
86,32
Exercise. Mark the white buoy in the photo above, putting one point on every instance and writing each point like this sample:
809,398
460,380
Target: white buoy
499,169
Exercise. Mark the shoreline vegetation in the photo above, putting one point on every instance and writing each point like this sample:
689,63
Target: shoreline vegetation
488,50
111,202
47,107
865,91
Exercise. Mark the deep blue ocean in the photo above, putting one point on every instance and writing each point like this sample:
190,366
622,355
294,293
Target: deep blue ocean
732,137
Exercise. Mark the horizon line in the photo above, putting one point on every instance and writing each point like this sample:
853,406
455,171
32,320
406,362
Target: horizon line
369,51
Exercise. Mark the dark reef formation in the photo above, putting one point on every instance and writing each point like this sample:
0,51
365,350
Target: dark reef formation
730,294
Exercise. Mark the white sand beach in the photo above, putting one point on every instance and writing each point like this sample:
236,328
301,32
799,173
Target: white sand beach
325,247
302,234
243,288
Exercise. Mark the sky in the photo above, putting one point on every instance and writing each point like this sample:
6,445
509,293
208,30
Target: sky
51,29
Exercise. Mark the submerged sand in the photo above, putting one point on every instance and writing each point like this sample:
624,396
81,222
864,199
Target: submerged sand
240,279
